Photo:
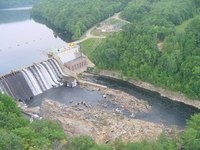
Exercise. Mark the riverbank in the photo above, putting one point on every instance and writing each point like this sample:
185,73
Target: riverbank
99,123
122,99
104,123
175,96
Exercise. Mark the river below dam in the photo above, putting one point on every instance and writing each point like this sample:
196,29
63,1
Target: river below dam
24,41
163,110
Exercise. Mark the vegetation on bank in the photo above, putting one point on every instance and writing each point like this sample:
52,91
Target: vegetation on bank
16,3
152,50
161,45
76,16
18,133
88,46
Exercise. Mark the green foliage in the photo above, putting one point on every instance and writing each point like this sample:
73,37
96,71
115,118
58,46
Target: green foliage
7,105
190,139
41,134
135,52
88,46
44,134
10,115
160,12
76,16
17,133
181,28
9,141
48,129
162,143
82,143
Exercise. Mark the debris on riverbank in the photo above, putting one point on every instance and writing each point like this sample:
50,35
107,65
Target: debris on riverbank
175,96
118,97
101,124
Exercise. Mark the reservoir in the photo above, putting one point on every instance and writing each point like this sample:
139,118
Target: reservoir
22,40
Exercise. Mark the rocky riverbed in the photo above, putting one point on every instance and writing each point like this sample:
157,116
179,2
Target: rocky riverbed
120,98
175,96
102,122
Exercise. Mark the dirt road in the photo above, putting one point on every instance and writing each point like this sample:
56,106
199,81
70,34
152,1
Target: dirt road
88,34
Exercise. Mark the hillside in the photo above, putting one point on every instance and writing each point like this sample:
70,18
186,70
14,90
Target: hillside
181,28
160,46
136,52
18,133
75,17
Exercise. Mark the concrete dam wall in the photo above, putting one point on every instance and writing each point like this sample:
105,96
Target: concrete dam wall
33,80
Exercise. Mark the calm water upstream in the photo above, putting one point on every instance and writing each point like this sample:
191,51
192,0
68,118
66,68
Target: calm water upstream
22,40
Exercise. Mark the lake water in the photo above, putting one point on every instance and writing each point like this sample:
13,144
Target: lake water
22,40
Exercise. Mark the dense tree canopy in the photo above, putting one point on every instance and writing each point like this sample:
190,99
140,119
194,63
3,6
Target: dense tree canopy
76,16
150,49
18,133
160,12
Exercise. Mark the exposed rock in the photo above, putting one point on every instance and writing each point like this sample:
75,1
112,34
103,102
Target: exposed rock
121,98
175,96
101,124
29,110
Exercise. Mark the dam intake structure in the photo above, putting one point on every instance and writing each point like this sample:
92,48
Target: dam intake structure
33,80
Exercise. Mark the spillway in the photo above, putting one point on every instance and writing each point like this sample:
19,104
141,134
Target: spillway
33,80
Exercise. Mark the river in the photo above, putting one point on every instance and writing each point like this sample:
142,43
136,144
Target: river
163,110
22,40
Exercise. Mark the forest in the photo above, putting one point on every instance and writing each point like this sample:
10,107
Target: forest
16,3
75,16
18,133
161,46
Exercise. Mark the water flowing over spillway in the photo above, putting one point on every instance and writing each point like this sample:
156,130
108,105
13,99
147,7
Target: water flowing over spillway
33,80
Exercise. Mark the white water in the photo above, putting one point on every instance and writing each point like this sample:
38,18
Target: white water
33,81
51,73
41,77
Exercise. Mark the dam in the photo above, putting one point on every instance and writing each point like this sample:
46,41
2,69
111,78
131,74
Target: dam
33,80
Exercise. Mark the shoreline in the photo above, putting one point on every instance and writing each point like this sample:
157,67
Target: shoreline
103,123
130,103
175,96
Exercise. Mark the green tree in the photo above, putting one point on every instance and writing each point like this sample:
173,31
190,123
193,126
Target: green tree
10,141
43,134
82,143
190,139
